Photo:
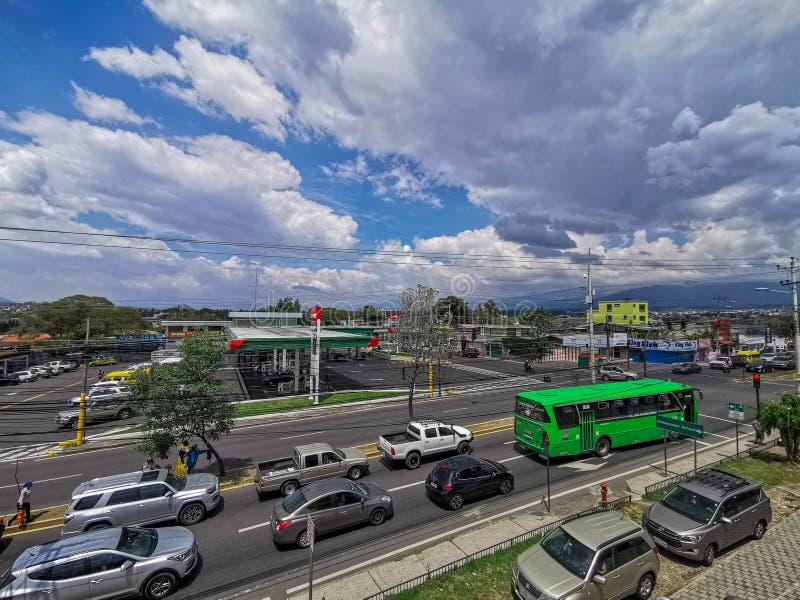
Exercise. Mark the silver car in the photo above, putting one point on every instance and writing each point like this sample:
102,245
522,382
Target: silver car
141,498
604,555
332,504
113,563
100,409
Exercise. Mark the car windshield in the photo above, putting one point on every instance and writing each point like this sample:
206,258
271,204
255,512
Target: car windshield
139,542
357,487
692,505
339,453
178,482
568,552
294,501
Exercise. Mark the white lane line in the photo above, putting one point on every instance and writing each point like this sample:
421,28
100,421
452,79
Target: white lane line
507,443
451,532
376,379
717,418
43,480
456,409
256,526
703,443
724,437
408,485
289,437
512,458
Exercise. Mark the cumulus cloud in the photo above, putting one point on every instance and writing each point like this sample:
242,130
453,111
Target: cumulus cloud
687,121
137,63
103,108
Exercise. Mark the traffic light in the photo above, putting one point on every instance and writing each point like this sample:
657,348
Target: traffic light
756,380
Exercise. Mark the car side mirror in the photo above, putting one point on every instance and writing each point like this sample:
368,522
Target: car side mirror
725,520
599,580
169,494
126,565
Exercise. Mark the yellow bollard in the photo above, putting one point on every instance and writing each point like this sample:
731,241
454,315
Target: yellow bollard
81,420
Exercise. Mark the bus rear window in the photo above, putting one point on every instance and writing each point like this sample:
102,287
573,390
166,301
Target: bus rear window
534,410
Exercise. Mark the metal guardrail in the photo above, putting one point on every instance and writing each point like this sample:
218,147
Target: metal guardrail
676,479
523,537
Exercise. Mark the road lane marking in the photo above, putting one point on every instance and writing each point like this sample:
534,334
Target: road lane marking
507,443
456,409
79,382
504,460
703,443
717,418
408,485
724,437
256,526
289,437
37,481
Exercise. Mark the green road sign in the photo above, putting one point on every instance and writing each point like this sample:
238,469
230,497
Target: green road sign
735,407
682,427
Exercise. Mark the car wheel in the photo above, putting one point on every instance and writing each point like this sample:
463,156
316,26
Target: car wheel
709,554
759,530
645,587
603,447
413,460
289,487
377,517
191,514
606,378
73,424
125,413
97,526
628,378
302,540
355,473
456,501
463,448
160,585
506,486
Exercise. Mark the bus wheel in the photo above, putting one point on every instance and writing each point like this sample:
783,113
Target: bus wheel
672,436
603,447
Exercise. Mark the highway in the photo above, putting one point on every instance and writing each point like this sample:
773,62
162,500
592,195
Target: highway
236,543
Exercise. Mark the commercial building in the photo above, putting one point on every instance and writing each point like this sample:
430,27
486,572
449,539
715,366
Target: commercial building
621,312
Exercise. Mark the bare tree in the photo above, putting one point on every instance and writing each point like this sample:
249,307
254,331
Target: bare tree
418,333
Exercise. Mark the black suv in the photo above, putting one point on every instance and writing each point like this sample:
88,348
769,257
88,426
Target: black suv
704,514
759,366
9,379
464,477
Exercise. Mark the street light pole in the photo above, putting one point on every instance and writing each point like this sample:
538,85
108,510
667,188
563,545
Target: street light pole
793,282
590,302
82,407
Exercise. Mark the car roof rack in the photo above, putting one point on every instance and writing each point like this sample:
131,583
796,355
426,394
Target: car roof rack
720,480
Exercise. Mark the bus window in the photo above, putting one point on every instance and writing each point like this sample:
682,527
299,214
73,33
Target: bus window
649,402
634,407
619,408
534,410
664,402
566,416
603,410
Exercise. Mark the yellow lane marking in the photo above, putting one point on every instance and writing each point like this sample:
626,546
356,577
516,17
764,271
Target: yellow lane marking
43,394
24,531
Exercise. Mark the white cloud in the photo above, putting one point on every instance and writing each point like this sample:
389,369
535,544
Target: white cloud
137,63
103,108
686,122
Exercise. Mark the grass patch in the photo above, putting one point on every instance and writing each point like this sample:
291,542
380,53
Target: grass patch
268,407
633,510
487,578
769,469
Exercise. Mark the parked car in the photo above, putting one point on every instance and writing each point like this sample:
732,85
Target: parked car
105,392
119,562
141,498
470,352
614,373
43,371
99,409
707,513
332,504
768,356
9,379
759,366
424,438
686,368
783,361
27,375
101,361
310,462
62,365
461,478
721,363
604,555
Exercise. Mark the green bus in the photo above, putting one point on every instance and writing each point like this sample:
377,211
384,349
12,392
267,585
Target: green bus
596,418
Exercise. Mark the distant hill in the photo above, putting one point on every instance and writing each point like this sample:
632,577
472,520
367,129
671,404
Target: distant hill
5,302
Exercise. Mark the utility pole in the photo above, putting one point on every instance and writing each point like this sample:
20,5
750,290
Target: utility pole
792,281
255,291
590,302
82,407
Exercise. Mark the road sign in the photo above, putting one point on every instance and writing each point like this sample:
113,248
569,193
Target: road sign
736,411
693,430
311,532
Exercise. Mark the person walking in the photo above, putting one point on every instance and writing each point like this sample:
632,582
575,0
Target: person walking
180,464
100,375
185,445
24,504
192,456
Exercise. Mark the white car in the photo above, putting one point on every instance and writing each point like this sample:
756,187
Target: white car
62,365
613,373
721,363
28,375
106,392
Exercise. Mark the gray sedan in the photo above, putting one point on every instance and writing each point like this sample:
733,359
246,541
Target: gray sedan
110,563
333,504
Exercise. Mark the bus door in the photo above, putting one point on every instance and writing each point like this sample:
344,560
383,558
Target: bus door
587,419
692,405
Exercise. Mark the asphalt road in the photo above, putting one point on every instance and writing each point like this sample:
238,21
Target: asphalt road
236,544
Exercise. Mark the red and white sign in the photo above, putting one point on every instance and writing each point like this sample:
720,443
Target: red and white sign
316,314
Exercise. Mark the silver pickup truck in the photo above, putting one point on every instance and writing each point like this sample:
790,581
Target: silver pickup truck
308,463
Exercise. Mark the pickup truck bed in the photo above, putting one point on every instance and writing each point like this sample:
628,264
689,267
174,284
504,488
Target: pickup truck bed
276,467
400,437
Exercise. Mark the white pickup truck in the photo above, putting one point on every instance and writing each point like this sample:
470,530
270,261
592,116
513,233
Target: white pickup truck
424,438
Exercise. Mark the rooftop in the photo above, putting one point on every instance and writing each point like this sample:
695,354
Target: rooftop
595,531
586,393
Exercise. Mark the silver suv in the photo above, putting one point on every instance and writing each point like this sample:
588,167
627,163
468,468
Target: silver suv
113,563
98,409
141,498
704,514
604,555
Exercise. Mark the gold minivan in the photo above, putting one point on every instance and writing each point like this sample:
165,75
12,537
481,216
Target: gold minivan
604,555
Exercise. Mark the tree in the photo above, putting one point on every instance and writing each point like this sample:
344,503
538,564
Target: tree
370,314
782,325
286,305
66,318
183,312
453,311
539,318
417,333
488,312
185,400
784,416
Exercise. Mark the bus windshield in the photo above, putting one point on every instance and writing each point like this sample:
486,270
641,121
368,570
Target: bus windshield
534,410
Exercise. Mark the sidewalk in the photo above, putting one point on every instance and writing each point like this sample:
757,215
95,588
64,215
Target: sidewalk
768,568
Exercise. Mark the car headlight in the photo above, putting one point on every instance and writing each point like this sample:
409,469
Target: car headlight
691,538
182,556
386,498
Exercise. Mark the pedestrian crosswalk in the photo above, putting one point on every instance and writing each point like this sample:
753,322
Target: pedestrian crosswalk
480,371
22,452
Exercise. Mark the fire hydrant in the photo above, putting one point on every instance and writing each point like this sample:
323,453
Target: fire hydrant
604,493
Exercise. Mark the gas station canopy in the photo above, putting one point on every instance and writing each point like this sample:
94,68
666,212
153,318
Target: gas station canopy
280,338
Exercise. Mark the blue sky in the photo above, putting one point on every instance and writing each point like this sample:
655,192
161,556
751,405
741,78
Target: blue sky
485,147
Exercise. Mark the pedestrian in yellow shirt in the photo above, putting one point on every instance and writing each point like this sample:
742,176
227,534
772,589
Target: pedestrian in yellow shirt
180,464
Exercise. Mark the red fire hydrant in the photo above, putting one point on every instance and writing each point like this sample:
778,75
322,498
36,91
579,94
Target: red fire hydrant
604,493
